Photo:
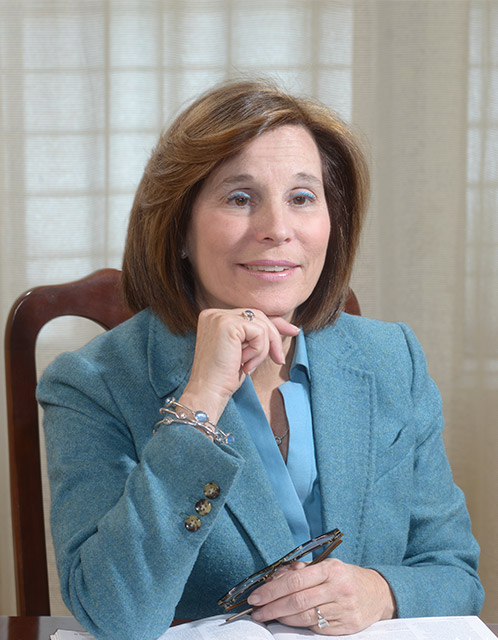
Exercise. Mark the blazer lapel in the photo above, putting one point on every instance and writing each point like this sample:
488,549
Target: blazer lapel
343,404
253,495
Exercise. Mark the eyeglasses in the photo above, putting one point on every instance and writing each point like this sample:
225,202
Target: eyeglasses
238,595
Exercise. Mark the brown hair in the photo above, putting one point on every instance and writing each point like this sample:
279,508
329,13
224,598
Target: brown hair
215,127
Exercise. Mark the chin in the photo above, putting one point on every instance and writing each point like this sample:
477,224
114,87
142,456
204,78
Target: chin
279,311
270,307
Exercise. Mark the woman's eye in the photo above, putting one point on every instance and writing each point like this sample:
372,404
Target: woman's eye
240,199
303,197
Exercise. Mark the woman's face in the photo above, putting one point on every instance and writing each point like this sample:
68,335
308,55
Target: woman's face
260,226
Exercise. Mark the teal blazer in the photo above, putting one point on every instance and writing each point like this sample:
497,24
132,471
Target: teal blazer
121,494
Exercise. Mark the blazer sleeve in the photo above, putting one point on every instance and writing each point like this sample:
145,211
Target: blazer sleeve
122,550
438,574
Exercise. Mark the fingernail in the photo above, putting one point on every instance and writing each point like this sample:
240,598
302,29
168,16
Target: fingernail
253,599
256,615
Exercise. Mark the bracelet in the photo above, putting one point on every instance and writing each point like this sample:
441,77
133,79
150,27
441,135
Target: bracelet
178,412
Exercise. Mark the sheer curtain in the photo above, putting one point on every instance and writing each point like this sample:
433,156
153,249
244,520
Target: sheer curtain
86,86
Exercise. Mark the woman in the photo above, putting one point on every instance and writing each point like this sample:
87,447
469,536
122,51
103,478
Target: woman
237,263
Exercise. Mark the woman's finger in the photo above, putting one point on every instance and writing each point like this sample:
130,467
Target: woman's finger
292,583
284,327
255,350
309,618
281,328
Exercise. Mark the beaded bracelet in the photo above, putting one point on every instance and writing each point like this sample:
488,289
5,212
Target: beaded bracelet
178,412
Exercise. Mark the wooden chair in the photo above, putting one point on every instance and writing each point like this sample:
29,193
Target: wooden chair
96,297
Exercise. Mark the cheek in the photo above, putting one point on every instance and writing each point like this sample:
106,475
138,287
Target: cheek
201,243
319,240
222,241
318,248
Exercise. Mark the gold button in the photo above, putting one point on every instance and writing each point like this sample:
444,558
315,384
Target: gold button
192,523
211,490
203,507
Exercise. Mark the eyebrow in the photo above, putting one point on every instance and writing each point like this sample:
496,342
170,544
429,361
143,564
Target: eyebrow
242,177
309,177
247,177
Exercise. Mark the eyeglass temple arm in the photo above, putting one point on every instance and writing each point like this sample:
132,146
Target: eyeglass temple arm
229,607
327,551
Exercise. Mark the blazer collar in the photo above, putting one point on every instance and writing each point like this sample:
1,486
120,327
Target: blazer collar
170,358
337,344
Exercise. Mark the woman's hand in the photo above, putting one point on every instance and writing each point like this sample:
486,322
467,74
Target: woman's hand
229,347
350,598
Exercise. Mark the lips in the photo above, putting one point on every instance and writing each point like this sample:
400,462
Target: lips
269,266
266,268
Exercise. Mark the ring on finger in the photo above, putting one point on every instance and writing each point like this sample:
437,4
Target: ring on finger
322,622
248,315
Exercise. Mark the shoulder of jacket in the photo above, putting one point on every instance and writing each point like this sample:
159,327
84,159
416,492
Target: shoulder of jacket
126,339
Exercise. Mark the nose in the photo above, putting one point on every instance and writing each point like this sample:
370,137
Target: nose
272,224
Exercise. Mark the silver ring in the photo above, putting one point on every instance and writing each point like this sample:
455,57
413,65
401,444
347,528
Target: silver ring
322,622
248,315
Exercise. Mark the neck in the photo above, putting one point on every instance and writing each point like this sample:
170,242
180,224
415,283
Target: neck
266,379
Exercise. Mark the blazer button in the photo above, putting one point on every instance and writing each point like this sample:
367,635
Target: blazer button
211,490
203,507
192,523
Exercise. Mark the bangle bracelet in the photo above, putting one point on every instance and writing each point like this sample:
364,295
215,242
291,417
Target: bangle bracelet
176,412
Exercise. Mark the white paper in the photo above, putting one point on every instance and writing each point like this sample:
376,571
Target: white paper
215,627
454,628
66,634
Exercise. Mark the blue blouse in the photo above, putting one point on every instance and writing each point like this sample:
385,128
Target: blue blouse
295,484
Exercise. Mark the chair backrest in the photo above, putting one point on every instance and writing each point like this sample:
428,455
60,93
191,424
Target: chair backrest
96,297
